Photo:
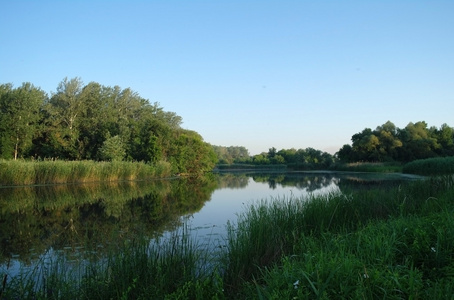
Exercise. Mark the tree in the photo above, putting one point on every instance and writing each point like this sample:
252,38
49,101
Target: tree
190,154
418,144
19,119
346,154
445,138
64,110
113,149
388,142
365,145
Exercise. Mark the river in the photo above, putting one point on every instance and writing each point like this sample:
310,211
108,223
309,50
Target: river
40,221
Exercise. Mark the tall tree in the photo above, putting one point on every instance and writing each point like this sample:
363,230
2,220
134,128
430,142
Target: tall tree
64,110
388,142
418,143
19,119
365,145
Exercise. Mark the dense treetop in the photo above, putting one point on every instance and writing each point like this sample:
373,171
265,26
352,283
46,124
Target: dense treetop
389,143
96,122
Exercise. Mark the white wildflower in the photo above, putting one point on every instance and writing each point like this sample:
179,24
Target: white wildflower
296,283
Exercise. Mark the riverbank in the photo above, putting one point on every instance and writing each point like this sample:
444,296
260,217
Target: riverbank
21,172
388,242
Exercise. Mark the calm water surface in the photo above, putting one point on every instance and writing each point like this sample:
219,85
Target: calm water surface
39,222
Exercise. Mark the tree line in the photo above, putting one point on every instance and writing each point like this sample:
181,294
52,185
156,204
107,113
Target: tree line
308,158
96,122
390,143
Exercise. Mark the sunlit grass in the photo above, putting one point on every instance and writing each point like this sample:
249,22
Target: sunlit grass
390,167
22,172
393,243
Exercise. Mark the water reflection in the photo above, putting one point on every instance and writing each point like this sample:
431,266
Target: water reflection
59,216
42,219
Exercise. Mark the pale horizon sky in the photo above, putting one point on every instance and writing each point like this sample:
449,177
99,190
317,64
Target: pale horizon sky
258,74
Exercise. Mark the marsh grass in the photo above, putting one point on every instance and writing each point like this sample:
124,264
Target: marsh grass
382,167
23,172
431,166
173,267
387,243
382,243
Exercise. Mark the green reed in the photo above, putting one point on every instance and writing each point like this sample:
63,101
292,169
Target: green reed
431,166
23,172
404,226
387,243
379,167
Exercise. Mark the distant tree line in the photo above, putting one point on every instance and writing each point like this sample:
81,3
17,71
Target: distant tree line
308,158
96,122
231,154
389,143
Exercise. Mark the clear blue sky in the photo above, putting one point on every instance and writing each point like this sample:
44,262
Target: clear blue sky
259,74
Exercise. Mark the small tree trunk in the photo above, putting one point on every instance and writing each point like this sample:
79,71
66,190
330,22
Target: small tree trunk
15,148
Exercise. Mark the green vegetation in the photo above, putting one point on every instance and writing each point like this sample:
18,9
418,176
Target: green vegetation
389,167
20,172
386,243
301,159
431,166
73,215
389,143
95,122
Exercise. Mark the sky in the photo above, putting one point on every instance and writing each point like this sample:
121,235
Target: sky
258,74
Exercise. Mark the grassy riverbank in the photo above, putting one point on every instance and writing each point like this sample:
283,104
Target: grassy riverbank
20,172
391,167
431,166
387,243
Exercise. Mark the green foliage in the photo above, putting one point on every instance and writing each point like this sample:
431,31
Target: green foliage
431,166
91,122
19,119
386,243
232,154
386,167
112,149
389,143
56,171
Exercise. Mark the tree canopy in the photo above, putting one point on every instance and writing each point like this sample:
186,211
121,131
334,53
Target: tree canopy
96,122
389,143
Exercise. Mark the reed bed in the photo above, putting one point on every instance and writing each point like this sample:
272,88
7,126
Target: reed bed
378,167
23,172
431,166
391,243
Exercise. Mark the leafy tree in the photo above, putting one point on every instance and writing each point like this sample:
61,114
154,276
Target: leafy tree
418,144
388,142
277,159
288,155
64,110
271,152
190,154
19,119
113,149
260,159
445,138
346,154
366,144
229,155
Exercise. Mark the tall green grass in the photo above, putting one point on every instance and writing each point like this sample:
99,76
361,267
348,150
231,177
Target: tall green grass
431,166
391,243
22,172
389,167
170,268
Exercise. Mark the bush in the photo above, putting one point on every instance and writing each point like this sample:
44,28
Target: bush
431,166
